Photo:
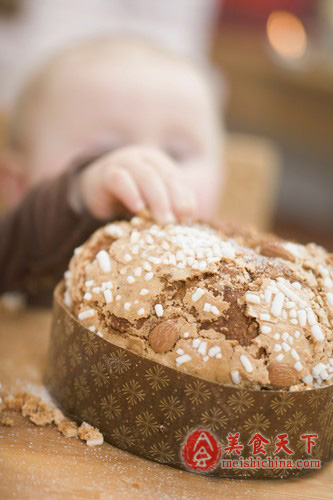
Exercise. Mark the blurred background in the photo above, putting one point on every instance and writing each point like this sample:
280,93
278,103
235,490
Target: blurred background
274,68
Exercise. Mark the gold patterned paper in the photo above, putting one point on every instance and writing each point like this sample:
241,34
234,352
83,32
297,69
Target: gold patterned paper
149,409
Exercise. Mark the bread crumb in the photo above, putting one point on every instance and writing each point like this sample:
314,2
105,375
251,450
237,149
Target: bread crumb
38,412
68,428
29,407
90,434
15,403
42,414
7,421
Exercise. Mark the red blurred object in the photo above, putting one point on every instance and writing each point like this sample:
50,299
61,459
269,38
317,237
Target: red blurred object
256,12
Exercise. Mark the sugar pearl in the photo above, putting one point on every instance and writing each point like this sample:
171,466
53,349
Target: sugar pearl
67,299
252,298
149,276
89,313
294,354
108,296
317,369
159,310
103,261
138,271
285,347
317,332
135,236
301,314
183,359
147,266
268,296
324,375
202,265
246,363
227,250
144,291
298,366
107,284
308,379
202,348
207,307
312,320
265,329
213,351
235,377
113,230
215,311
198,294
277,304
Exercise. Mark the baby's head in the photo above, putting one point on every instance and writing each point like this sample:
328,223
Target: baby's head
106,94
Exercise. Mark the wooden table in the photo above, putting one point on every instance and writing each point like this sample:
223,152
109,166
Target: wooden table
39,463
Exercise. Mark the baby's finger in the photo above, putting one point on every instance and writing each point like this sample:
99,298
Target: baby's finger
154,193
122,186
182,199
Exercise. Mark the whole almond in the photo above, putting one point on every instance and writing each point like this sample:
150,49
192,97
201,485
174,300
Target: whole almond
164,336
275,250
282,375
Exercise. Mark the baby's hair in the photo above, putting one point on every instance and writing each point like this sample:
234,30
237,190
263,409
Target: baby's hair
87,52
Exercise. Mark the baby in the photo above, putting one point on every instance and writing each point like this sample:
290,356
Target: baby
104,130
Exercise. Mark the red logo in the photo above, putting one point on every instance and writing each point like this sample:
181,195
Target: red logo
201,451
258,442
282,444
233,444
309,441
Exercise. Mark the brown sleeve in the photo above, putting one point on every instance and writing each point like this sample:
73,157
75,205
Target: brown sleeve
37,239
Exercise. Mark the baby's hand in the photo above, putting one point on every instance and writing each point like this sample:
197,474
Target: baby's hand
137,178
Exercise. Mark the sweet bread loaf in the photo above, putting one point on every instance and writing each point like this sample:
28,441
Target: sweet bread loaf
221,303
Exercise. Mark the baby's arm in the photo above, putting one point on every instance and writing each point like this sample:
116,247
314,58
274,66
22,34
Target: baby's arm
37,238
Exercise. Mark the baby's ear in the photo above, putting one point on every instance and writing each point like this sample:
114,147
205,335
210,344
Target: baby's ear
13,182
